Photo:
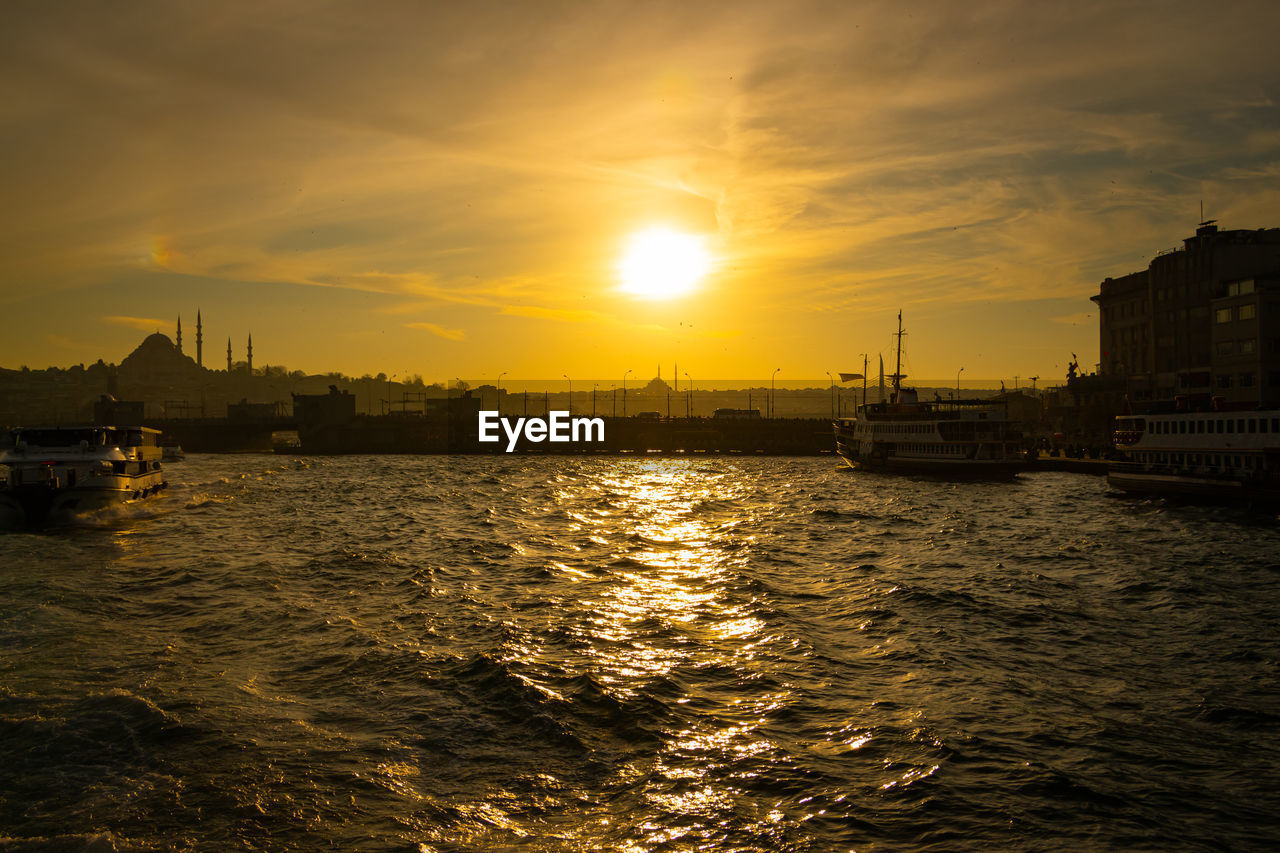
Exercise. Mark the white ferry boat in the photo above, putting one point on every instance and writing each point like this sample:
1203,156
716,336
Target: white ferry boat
950,438
57,472
1208,454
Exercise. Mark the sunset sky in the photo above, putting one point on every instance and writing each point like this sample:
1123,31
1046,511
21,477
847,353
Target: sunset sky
448,189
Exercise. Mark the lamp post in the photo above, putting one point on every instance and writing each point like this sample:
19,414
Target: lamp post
689,409
593,398
772,392
566,376
624,393
832,381
500,375
958,372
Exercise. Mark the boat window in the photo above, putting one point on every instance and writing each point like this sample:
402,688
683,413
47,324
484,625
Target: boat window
1262,424
1253,425
1219,422
1182,427
1199,426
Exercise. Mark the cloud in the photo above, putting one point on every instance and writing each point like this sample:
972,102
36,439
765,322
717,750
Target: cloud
563,315
145,324
440,331
62,341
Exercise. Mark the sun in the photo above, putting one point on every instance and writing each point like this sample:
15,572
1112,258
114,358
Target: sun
660,263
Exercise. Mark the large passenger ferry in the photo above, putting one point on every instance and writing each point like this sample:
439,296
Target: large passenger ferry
951,438
1210,454
57,472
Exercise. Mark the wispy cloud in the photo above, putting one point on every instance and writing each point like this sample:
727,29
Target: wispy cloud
439,331
144,324
563,315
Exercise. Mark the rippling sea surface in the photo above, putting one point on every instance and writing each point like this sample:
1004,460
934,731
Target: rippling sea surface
569,654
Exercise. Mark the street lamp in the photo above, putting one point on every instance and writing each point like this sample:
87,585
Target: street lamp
771,391
624,393
500,375
566,376
689,410
832,381
958,372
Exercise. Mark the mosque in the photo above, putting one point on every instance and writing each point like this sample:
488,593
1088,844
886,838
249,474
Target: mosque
159,359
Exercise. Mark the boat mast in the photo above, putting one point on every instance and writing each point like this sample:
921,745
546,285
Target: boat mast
897,367
865,356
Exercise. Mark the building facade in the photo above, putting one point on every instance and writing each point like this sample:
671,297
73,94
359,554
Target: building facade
1201,325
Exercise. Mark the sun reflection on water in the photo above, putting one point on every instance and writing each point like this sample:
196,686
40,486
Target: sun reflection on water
665,605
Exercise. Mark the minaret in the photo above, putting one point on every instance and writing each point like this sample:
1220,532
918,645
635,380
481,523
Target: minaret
199,342
179,334
228,355
250,357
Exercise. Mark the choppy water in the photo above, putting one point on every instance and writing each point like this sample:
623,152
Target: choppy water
559,654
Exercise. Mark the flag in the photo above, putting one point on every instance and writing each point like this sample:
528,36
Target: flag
849,377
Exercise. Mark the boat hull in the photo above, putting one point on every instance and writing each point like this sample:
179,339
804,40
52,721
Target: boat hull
961,469
39,505
1189,486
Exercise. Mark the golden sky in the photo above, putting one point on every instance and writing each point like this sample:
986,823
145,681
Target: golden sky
446,189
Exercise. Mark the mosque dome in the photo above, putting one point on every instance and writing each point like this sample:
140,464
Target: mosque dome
156,356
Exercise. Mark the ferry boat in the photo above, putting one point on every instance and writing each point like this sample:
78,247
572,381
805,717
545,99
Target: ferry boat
1231,454
57,472
950,438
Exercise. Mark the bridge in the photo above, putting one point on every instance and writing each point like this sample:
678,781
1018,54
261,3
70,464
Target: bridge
225,435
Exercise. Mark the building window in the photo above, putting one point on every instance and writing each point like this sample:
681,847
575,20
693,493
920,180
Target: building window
1247,380
1224,381
1248,312
1223,315
1226,347
1249,346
